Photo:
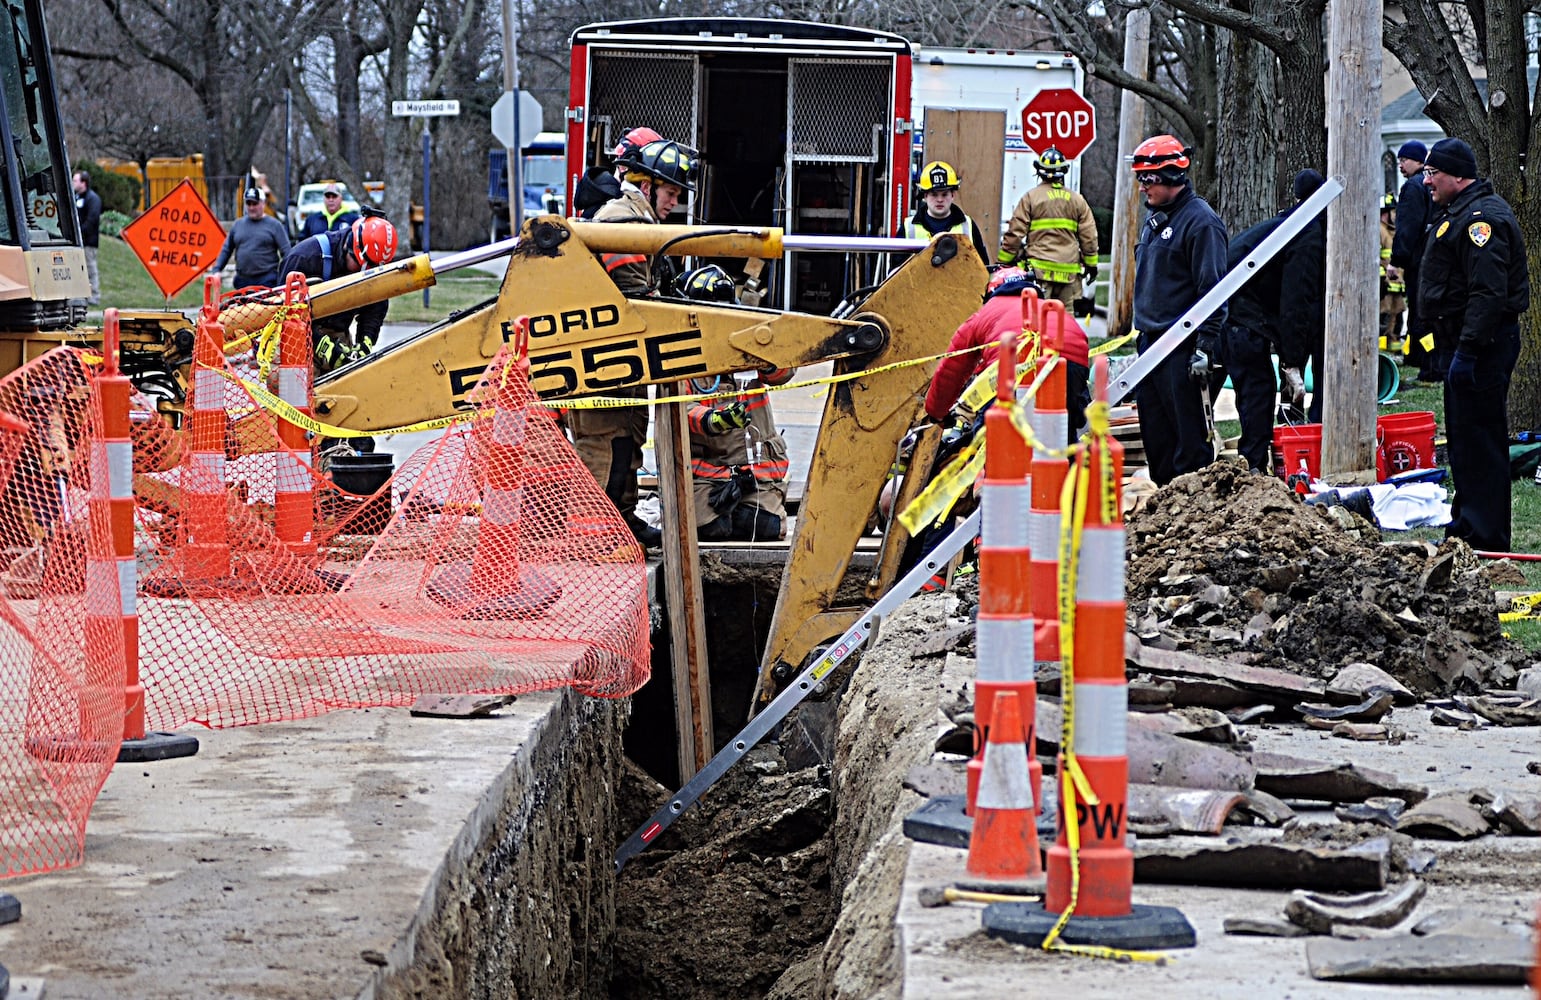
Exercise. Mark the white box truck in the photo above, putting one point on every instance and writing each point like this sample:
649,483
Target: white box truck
993,79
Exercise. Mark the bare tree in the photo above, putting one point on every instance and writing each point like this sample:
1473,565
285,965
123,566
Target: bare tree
1438,43
230,54
1212,82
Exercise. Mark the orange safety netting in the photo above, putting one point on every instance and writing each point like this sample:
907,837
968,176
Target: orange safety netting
491,562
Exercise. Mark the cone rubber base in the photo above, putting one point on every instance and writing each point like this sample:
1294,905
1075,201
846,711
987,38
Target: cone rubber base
157,746
942,821
1146,928
529,598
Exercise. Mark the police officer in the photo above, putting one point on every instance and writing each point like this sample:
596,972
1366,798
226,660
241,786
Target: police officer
1052,227
938,186
1180,256
1303,297
1473,285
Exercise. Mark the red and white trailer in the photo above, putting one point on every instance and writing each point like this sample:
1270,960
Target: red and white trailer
802,126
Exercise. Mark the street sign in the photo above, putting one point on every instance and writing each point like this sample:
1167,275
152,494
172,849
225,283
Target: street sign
530,119
1061,118
424,109
177,239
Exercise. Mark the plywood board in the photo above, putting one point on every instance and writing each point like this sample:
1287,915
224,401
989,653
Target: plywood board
974,142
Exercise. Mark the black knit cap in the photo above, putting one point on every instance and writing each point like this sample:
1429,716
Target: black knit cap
1453,157
1306,183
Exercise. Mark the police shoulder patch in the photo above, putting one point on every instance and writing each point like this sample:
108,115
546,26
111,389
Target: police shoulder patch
1480,233
1441,230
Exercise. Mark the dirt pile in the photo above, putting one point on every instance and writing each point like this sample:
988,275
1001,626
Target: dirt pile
1229,564
734,892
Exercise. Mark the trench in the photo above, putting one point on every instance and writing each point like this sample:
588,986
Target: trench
740,888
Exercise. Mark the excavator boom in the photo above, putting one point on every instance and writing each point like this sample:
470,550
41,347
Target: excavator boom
586,338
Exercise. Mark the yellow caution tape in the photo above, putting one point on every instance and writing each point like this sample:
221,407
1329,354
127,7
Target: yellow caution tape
268,401
945,487
1112,345
1522,608
275,406
958,476
614,403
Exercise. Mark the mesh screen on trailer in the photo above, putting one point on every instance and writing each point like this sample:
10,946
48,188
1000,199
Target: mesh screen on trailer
833,107
644,88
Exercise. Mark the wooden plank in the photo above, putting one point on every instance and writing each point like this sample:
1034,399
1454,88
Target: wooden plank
682,585
974,142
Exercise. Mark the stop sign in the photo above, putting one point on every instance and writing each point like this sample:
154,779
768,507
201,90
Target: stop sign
1060,118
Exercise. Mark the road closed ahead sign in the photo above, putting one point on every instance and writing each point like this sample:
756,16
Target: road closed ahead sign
177,239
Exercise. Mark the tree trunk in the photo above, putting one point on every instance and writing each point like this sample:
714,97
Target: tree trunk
1508,143
1303,97
347,60
401,139
1246,144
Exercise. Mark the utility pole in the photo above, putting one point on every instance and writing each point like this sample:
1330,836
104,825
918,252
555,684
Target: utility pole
1353,243
511,86
1126,199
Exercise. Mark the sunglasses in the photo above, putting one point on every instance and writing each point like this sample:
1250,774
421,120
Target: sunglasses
1431,171
1147,180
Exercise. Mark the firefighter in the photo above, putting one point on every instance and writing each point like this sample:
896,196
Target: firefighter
1180,256
938,186
1053,229
1002,313
598,184
1473,286
1393,297
738,460
1414,213
609,441
369,242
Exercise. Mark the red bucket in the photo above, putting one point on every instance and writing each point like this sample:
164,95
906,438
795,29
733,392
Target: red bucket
1403,442
1294,444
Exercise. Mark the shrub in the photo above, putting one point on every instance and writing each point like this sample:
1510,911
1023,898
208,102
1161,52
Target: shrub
118,193
113,222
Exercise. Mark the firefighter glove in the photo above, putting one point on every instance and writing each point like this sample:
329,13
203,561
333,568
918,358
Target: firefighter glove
1090,270
722,419
729,493
329,353
1198,366
1294,387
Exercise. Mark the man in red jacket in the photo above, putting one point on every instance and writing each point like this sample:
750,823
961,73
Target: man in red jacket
1002,312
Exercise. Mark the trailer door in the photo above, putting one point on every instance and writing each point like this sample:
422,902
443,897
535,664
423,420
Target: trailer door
838,126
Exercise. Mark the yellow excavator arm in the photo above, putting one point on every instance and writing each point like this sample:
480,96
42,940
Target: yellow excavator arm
587,338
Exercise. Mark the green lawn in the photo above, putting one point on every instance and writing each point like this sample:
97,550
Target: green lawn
127,285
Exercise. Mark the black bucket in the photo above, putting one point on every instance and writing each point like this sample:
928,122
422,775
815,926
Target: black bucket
364,476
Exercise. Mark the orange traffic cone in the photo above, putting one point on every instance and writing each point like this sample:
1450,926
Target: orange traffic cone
1004,841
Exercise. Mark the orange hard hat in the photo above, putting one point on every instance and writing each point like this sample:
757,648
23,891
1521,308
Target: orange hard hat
374,241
